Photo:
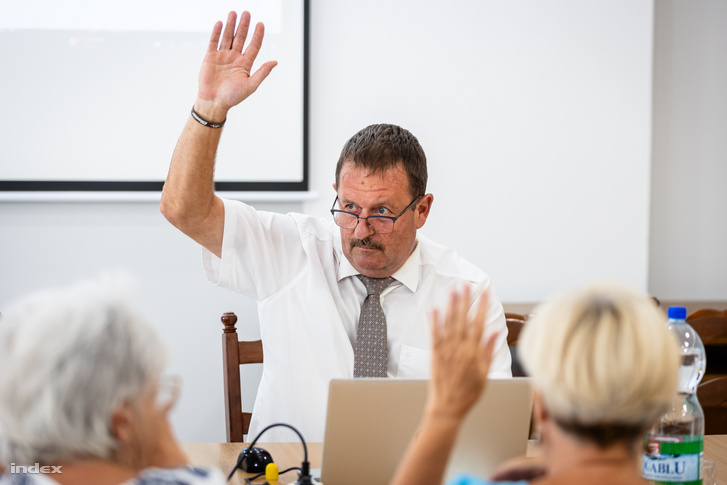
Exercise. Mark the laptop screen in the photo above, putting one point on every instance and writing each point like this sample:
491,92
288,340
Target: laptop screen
370,422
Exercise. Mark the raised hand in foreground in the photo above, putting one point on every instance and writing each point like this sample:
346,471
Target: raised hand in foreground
460,363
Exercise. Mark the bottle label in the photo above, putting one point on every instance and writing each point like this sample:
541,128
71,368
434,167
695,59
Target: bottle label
673,459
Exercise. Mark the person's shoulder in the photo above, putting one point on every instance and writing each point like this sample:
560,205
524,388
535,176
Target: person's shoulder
179,476
305,224
471,480
26,479
446,261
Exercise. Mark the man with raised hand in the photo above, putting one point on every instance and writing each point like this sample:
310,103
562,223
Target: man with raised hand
333,302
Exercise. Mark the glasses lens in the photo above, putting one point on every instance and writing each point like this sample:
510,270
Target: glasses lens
345,220
168,391
381,225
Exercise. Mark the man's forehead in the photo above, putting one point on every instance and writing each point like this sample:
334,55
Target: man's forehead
361,202
369,169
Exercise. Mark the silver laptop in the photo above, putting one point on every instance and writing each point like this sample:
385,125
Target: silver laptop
370,422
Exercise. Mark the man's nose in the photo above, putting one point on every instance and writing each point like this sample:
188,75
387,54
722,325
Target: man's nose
362,230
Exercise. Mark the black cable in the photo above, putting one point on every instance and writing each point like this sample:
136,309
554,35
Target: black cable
305,466
255,477
249,480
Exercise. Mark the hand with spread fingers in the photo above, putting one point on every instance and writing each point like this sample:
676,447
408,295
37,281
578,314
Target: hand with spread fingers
225,80
460,363
460,357
226,76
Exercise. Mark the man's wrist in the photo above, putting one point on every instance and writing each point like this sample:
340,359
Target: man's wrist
204,122
209,111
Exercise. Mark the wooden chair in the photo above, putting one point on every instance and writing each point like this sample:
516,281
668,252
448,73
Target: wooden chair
515,323
234,354
709,324
712,396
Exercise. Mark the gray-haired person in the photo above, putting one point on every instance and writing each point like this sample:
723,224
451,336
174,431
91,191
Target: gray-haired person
82,397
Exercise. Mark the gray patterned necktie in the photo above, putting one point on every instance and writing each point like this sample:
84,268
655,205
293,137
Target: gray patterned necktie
371,354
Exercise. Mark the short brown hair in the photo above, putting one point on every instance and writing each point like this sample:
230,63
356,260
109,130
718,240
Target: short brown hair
383,146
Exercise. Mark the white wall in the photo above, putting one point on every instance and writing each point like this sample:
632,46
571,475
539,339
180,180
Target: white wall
51,244
535,117
688,246
540,166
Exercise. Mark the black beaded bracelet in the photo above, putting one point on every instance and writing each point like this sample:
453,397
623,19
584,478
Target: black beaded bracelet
206,123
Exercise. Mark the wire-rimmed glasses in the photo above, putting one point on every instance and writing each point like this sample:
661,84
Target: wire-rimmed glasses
378,224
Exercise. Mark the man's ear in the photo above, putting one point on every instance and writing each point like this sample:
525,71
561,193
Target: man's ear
422,209
335,189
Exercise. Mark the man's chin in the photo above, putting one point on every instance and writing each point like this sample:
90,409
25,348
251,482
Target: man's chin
368,266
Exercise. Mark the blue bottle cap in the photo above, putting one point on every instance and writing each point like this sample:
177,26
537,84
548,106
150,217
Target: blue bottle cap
677,312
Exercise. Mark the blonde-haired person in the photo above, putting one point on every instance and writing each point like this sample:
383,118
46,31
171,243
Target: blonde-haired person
82,398
604,367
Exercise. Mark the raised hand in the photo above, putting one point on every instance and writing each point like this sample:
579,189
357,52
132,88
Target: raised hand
226,77
460,362
460,359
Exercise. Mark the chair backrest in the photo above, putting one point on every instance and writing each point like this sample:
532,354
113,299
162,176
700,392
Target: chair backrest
709,324
712,395
234,354
515,323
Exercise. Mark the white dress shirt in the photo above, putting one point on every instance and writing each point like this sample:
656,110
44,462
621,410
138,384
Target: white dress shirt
309,302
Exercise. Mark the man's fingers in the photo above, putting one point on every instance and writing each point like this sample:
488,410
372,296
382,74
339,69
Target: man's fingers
215,37
241,33
229,31
256,42
262,73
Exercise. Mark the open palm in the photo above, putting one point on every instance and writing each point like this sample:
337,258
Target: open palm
460,357
226,77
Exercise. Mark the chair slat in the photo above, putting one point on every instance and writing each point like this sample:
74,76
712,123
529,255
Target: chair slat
234,354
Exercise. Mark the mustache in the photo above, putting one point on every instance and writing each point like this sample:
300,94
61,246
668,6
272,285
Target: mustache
365,243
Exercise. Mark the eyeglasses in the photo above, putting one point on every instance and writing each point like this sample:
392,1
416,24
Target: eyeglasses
168,390
378,224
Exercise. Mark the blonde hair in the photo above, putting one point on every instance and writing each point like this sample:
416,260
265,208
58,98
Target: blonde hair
602,357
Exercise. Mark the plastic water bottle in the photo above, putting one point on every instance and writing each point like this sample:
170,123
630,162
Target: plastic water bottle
673,449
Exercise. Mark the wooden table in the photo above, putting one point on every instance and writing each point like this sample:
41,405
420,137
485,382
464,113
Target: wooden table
224,456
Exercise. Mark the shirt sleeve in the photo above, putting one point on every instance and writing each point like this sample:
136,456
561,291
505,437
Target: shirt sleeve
261,251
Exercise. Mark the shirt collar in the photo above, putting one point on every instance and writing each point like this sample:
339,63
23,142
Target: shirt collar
408,274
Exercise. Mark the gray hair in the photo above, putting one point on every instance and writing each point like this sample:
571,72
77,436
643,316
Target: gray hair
69,358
